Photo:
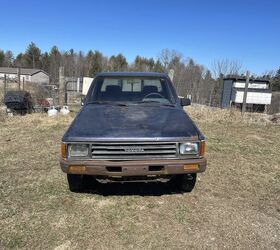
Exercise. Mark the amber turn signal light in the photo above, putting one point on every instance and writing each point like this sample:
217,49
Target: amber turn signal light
77,169
191,167
202,148
63,149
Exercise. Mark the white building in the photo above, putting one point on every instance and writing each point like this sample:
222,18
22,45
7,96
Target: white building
26,75
258,96
86,84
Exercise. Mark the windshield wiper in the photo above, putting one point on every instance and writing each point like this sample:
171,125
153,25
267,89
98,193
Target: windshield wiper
107,103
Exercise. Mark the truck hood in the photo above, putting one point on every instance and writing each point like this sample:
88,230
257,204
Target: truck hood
132,122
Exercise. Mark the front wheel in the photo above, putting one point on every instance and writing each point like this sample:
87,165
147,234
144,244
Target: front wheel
76,182
184,182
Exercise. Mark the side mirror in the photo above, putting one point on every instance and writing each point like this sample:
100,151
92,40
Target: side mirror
185,101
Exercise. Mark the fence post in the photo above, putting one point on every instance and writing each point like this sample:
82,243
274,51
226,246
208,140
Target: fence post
245,91
18,78
23,80
5,84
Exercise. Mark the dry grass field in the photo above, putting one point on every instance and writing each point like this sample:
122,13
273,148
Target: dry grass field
235,204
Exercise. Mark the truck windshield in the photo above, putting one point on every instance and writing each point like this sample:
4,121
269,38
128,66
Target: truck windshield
130,89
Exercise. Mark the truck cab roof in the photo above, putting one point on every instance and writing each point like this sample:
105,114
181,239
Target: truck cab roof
131,74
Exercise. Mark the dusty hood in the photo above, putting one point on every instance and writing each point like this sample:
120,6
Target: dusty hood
133,122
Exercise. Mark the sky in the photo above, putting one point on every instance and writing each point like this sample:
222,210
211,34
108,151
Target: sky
243,30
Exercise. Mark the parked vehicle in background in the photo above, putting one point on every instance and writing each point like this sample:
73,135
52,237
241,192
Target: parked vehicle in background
132,127
43,104
18,102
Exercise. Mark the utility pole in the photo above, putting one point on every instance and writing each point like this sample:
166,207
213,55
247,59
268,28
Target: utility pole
18,78
245,91
171,74
61,85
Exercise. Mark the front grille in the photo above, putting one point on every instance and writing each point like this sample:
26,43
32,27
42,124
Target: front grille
133,150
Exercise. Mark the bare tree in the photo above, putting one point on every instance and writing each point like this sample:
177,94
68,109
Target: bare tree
268,74
9,58
226,67
168,57
220,69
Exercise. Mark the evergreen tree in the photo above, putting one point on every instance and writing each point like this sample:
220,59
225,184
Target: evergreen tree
19,61
45,62
143,64
158,67
118,63
55,63
32,56
2,58
69,62
95,63
276,81
80,64
89,58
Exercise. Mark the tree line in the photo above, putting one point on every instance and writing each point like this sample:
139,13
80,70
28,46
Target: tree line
190,78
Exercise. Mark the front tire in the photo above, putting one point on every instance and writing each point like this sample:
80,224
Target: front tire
184,182
76,182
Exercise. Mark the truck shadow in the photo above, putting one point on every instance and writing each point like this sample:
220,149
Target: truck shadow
141,189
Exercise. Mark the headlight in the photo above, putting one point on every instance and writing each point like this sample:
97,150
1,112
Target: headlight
77,150
189,148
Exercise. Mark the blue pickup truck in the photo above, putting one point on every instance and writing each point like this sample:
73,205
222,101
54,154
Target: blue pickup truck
132,127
